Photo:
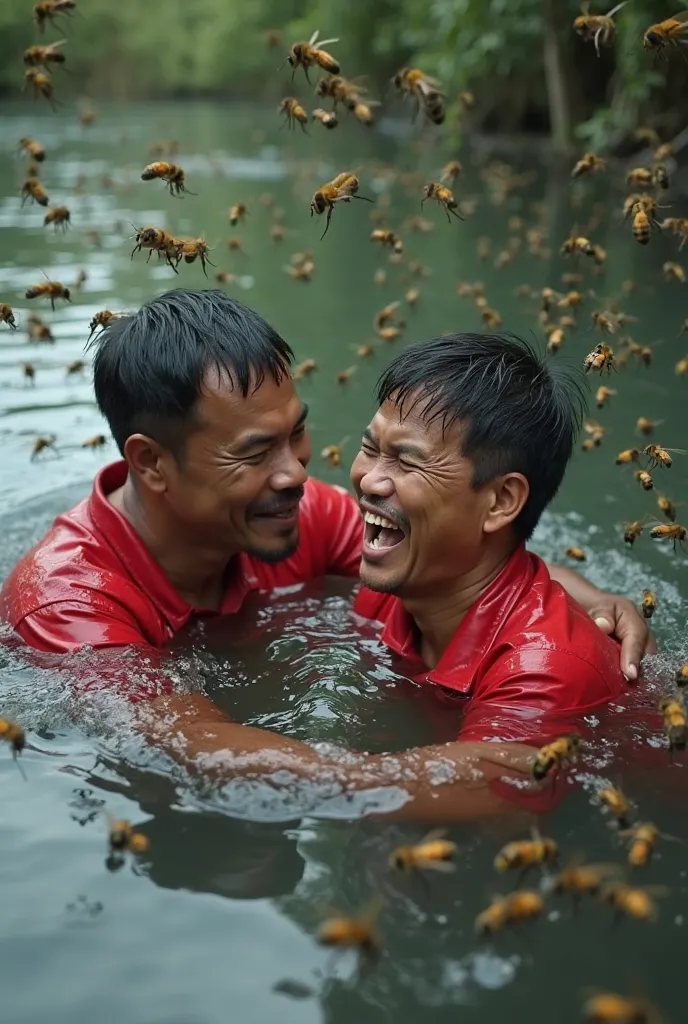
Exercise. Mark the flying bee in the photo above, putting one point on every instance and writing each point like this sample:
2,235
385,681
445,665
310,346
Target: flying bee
643,839
97,441
327,118
302,272
648,604
50,290
576,244
60,216
660,176
192,249
612,799
442,195
344,376
387,238
583,879
363,351
13,734
390,333
610,1008
577,554
42,85
553,756
645,426
627,455
33,190
639,177
588,164
671,32
607,322
340,90
123,839
157,240
600,28
42,56
353,932
675,722
42,444
632,531
363,113
172,174
681,368
555,339
632,901
385,314
659,456
681,677
77,366
527,853
518,906
433,853
294,113
424,90
333,453
667,507
674,272
87,115
491,318
311,54
644,479
601,356
451,171
29,372
304,369
7,316
49,10
102,320
237,213
341,189
602,396
32,149
669,531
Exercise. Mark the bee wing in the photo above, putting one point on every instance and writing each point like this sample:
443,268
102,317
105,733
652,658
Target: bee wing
657,890
682,16
585,8
314,38
433,834
443,866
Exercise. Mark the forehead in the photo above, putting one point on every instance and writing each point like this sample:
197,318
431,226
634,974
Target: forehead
412,422
223,406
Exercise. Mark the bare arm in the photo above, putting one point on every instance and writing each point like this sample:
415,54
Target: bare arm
443,783
617,616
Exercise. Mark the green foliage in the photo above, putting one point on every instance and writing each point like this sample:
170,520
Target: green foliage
493,47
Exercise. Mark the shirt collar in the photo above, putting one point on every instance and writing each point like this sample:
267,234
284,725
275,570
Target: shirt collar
476,633
146,572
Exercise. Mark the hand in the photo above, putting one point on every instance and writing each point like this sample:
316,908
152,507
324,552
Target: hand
620,619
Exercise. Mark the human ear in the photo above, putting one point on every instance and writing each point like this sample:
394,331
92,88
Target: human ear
508,496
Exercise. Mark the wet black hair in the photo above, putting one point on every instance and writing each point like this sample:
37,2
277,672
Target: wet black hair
519,411
149,366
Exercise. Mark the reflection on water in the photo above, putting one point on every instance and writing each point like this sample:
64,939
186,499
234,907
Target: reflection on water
217,920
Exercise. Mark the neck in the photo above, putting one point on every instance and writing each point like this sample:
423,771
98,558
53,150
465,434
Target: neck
438,614
194,567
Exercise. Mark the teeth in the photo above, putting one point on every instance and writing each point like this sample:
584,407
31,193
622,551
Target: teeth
379,521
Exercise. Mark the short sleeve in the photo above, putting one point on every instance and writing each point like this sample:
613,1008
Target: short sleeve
65,626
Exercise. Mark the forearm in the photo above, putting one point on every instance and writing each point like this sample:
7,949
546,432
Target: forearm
450,782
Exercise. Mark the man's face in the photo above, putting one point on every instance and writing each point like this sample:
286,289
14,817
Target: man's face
409,474
240,480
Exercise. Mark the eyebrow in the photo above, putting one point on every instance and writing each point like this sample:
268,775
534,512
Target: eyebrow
400,448
254,440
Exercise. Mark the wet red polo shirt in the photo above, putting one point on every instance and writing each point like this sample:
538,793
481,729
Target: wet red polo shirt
526,658
92,580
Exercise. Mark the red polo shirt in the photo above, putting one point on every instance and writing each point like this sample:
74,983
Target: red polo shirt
526,658
92,580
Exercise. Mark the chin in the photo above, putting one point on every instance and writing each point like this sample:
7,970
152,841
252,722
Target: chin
378,582
278,553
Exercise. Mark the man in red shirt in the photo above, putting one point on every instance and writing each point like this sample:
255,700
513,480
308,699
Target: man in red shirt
212,501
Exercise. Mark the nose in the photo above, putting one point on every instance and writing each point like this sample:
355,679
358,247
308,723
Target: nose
291,473
375,479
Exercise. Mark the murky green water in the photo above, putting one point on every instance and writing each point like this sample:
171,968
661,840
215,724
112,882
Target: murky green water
224,907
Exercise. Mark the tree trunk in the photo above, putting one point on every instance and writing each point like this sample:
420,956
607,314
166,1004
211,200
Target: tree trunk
557,89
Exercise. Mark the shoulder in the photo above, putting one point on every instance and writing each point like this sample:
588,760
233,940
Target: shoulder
72,564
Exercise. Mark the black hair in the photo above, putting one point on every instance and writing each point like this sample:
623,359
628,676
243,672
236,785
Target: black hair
149,366
519,411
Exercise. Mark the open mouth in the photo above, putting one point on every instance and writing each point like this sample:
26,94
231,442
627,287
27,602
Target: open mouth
287,514
380,532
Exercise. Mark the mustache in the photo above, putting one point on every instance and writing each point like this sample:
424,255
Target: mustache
286,500
393,515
